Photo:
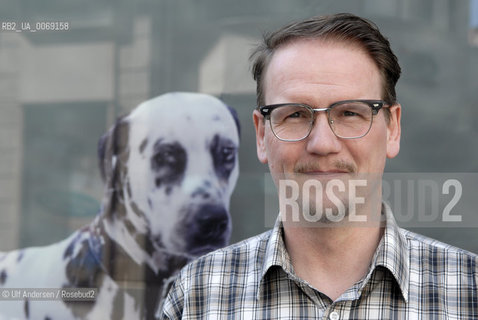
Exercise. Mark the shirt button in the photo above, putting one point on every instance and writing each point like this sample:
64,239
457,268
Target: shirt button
334,315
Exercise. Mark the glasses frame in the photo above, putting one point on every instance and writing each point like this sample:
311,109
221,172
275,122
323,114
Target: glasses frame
375,106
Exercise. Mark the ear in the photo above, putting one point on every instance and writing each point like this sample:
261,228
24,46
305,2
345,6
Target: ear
104,152
394,131
110,145
259,125
236,119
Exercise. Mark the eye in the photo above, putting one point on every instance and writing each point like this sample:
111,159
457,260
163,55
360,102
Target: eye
348,113
299,115
228,154
166,156
169,156
296,114
223,152
288,113
168,163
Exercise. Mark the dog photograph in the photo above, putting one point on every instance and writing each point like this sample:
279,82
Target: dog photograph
169,168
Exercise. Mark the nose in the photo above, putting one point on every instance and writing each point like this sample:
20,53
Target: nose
322,140
212,222
208,229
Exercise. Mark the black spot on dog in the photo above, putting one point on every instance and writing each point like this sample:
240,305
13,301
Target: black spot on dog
118,210
47,318
158,240
118,305
114,166
3,277
120,137
70,248
168,163
223,152
20,256
143,145
83,270
68,251
129,226
26,309
236,119
128,190
112,144
136,209
168,191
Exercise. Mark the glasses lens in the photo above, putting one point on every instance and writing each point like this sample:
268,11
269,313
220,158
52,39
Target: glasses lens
351,119
291,122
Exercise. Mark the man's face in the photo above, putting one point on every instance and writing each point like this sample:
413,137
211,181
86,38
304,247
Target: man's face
319,73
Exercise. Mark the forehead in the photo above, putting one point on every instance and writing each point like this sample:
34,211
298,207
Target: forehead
185,117
325,67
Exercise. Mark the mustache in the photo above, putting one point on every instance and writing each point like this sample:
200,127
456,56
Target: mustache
339,165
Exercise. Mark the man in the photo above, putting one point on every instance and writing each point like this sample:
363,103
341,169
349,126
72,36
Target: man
328,113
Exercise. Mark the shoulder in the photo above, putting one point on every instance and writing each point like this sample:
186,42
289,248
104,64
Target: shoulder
440,257
416,240
236,265
202,284
443,279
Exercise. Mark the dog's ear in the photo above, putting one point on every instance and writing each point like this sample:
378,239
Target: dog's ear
102,145
110,146
236,119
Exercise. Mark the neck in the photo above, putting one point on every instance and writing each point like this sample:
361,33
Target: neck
132,248
135,273
332,258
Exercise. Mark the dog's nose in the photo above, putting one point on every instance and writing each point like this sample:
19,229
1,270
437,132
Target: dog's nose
208,229
213,222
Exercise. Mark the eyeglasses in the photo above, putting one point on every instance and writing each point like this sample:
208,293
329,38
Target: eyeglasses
348,119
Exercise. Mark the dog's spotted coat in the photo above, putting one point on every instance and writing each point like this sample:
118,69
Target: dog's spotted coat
169,168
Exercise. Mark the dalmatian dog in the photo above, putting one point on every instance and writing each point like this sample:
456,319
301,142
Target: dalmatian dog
169,169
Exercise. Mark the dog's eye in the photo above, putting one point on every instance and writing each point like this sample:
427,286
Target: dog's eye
228,154
168,156
164,158
223,152
169,162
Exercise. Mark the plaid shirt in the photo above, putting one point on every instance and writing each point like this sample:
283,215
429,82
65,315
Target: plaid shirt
410,277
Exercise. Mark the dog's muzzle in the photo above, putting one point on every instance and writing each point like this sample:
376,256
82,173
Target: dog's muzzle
208,229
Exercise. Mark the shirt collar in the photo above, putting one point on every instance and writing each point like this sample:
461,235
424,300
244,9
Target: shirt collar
391,253
276,253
